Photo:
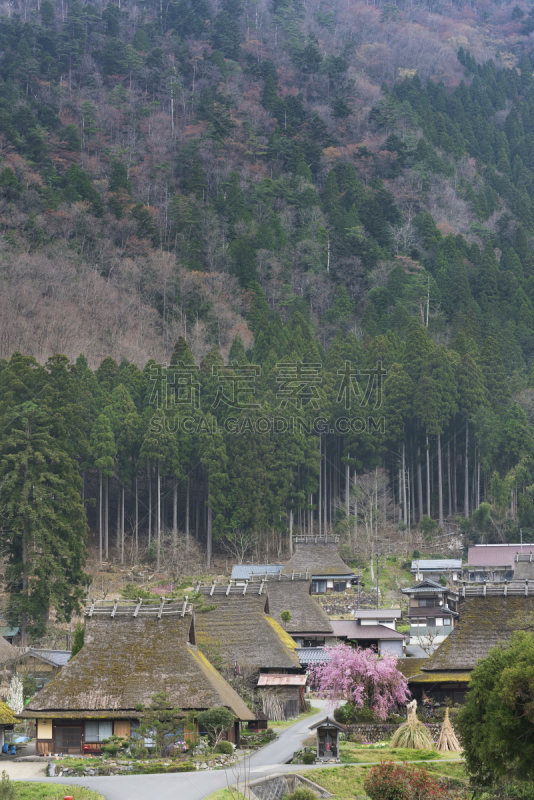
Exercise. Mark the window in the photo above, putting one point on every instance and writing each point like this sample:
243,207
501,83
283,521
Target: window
340,587
431,622
447,621
439,622
97,731
318,587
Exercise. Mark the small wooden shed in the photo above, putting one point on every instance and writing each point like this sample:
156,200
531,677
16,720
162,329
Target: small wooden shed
328,731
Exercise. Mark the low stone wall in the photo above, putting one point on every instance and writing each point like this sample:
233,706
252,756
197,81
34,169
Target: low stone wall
377,733
345,603
275,787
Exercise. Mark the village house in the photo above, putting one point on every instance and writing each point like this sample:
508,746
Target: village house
10,633
309,624
436,568
7,721
496,562
42,665
384,640
488,615
319,557
433,610
246,572
378,616
239,629
131,652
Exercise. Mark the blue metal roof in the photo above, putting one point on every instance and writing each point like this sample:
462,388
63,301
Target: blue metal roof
7,630
243,572
429,564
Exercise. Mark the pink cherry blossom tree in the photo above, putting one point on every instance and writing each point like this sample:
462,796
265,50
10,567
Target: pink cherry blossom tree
362,678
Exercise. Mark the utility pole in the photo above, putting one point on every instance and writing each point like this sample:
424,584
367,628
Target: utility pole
358,588
377,565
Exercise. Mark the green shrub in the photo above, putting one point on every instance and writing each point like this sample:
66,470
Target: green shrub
225,748
7,789
187,766
395,719
345,714
301,793
307,758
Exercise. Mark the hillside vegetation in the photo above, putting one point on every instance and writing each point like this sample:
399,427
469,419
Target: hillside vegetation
321,216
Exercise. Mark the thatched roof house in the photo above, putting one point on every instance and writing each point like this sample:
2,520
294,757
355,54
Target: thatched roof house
42,665
309,624
131,652
488,615
7,720
241,628
7,651
318,557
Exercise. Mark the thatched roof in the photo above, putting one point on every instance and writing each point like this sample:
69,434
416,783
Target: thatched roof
125,660
7,651
484,622
7,717
307,616
410,666
318,557
241,628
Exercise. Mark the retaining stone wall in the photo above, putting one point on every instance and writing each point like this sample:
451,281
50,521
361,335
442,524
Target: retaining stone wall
276,787
377,733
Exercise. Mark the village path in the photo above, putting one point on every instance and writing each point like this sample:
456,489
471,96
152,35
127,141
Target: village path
197,785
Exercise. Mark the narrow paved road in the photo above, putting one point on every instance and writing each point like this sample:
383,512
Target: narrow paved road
197,785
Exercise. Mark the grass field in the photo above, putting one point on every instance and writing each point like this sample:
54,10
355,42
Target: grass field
356,754
51,791
281,726
346,782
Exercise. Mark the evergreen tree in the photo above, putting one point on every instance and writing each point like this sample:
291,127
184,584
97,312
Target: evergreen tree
44,526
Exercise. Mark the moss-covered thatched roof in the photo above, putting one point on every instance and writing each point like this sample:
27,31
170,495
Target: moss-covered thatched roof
307,616
7,717
410,666
318,559
125,660
240,628
484,622
451,676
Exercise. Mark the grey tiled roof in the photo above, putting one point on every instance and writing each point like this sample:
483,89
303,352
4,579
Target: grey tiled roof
243,572
378,613
429,564
57,657
351,630
426,586
313,655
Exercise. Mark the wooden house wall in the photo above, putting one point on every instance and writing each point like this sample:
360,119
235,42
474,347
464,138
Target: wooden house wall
46,734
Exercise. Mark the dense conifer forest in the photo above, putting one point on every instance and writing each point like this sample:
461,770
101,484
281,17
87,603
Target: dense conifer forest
267,267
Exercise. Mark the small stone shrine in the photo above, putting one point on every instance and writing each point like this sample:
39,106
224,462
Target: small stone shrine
328,731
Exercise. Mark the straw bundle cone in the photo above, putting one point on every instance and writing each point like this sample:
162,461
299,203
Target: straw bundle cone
447,737
412,734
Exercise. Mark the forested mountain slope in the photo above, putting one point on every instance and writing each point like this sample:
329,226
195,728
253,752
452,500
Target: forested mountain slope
266,183
160,158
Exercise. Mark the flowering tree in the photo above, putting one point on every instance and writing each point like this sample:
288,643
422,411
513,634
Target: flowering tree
363,678
16,698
